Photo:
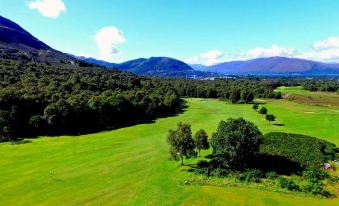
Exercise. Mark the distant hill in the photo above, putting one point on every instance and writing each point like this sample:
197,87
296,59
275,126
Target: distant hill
154,66
275,66
95,61
157,66
17,43
199,67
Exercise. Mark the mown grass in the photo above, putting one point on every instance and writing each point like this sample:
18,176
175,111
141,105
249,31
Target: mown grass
130,166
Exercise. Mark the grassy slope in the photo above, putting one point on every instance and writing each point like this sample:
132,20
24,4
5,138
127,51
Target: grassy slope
129,166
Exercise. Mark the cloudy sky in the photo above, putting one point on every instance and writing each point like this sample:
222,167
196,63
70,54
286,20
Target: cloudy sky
195,31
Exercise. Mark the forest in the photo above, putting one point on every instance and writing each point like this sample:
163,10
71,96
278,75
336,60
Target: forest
40,99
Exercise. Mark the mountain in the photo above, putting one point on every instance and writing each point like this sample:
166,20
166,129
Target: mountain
17,43
157,66
154,66
275,66
95,61
12,34
199,67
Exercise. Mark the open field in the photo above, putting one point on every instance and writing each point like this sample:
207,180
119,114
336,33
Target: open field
130,166
297,94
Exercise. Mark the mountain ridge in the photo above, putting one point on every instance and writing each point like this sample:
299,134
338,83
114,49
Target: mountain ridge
274,66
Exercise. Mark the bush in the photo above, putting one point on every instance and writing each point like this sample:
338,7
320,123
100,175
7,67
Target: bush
315,175
310,152
271,175
316,189
270,117
251,175
263,110
288,184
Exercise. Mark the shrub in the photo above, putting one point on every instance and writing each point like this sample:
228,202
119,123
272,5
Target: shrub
271,175
263,110
315,175
307,151
251,175
316,189
288,184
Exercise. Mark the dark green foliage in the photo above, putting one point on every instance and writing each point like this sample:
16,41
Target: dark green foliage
251,175
263,110
316,189
320,85
308,152
288,184
234,96
181,142
201,140
315,175
236,143
270,118
59,97
247,96
271,175
277,95
255,106
37,99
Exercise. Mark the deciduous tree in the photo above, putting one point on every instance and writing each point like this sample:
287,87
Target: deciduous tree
181,142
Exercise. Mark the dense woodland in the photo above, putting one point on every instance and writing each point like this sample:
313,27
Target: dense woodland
39,99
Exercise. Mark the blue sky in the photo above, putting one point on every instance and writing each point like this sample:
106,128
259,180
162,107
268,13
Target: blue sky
196,31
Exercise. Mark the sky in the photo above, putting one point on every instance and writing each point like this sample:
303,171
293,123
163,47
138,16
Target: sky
195,31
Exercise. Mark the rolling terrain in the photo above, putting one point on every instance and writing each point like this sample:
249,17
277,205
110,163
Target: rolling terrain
130,166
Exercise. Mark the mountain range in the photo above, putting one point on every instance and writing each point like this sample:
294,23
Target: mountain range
17,43
272,66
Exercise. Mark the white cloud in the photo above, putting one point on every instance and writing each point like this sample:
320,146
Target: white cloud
329,43
48,8
106,39
267,52
207,58
326,55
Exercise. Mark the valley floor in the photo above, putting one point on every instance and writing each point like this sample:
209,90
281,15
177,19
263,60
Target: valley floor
130,166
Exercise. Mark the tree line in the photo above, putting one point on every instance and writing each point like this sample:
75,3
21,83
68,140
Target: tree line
40,99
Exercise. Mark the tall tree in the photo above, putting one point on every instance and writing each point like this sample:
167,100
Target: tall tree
236,143
181,142
201,140
234,96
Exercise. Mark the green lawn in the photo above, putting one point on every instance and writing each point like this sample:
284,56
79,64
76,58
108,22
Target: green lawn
130,166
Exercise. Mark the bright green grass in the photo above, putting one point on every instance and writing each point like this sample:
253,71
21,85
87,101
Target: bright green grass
130,166
300,91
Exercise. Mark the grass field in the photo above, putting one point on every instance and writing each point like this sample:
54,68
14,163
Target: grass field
297,94
130,166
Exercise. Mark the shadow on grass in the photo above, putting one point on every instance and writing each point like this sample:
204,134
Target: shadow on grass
87,130
20,141
278,124
264,163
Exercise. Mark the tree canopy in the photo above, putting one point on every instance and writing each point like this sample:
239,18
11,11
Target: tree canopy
201,140
236,143
181,142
